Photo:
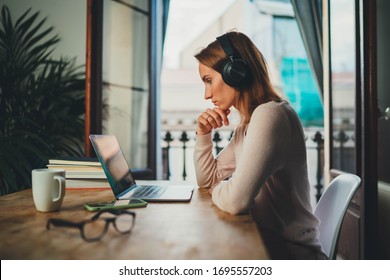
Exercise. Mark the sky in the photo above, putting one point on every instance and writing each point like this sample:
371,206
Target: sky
187,19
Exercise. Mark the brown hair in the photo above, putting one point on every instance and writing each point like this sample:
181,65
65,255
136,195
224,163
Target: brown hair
259,89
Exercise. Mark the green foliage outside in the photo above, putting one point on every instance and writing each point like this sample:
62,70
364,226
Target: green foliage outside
41,100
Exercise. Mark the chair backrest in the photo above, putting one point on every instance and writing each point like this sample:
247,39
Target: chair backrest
331,209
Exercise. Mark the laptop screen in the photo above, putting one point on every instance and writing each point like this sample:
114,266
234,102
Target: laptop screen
113,162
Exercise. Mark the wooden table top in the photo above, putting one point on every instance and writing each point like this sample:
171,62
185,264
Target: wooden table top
196,230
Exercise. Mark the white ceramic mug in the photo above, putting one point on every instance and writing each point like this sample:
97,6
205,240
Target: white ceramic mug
48,189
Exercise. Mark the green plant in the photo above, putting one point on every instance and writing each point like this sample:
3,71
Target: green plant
41,100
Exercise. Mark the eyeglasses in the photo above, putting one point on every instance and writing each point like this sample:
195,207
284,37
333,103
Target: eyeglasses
95,228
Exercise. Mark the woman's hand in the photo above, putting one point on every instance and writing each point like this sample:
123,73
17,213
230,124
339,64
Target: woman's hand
211,119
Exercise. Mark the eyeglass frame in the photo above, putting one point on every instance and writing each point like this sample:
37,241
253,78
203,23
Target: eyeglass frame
80,225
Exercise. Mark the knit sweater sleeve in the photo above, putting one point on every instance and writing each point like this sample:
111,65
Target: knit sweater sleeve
264,152
211,170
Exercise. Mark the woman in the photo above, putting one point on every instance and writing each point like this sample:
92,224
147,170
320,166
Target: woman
263,169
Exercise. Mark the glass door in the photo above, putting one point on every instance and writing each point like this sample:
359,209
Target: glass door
344,115
126,91
343,84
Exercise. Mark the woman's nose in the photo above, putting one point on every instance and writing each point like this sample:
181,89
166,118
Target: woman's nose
207,94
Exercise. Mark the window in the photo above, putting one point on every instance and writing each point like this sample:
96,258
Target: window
124,47
297,81
343,84
126,90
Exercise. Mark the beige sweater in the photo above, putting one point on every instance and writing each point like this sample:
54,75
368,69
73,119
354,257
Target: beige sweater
263,169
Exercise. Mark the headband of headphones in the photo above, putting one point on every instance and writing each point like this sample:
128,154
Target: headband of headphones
235,70
226,46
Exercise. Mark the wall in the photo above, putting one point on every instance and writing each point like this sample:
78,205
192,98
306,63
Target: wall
68,19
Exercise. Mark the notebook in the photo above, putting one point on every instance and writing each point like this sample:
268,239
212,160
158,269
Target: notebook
122,181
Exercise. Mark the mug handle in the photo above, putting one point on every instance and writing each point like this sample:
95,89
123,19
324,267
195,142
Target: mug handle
61,183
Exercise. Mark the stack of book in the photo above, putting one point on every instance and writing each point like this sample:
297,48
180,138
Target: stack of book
81,172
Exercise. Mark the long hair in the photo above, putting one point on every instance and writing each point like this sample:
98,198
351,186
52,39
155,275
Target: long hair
258,89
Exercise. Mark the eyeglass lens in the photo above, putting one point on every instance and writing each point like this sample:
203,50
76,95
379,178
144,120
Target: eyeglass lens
97,228
124,223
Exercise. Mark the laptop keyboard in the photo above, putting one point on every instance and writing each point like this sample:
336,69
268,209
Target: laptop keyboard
149,192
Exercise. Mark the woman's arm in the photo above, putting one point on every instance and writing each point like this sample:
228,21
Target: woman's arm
211,170
265,148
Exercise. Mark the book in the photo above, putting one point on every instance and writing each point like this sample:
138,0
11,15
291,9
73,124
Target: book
74,184
80,161
78,168
84,175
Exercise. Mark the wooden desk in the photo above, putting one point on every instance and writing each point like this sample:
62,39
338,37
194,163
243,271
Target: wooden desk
195,230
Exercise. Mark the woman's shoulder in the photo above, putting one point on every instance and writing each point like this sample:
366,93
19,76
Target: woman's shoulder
273,105
273,109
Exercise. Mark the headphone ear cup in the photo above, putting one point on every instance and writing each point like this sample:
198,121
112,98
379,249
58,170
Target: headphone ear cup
235,72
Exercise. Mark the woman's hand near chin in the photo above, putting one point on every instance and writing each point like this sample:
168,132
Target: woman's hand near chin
211,119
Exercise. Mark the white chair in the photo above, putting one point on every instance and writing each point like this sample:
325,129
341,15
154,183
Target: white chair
331,209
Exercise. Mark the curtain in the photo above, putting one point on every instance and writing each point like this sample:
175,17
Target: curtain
165,19
308,14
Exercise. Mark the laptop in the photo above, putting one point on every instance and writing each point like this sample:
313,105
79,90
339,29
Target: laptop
122,181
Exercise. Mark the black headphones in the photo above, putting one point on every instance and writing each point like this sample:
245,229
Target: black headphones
235,71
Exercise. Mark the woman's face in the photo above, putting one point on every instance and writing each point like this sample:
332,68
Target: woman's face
222,95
